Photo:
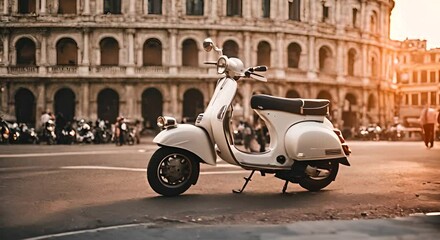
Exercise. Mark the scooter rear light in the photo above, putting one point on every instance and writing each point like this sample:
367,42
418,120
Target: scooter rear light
346,149
339,134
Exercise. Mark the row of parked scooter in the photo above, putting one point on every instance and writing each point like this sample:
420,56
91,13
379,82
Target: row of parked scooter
81,131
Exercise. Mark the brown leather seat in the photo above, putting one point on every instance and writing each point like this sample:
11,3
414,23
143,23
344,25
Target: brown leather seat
317,107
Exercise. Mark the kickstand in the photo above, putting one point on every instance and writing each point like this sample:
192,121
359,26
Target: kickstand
285,186
248,179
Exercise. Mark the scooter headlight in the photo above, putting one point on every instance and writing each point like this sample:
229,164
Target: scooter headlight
222,64
166,122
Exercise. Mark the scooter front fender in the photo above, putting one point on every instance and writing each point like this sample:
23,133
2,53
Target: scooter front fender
190,138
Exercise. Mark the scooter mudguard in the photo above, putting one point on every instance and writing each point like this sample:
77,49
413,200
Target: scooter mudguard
312,141
190,138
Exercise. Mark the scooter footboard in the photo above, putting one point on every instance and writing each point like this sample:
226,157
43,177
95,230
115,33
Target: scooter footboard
190,138
312,141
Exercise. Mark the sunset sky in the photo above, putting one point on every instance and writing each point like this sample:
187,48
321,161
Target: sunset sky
416,19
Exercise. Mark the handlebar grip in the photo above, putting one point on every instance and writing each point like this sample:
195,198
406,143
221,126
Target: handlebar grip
260,68
210,63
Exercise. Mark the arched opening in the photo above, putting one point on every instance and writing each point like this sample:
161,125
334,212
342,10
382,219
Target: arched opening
109,52
152,52
372,104
293,55
108,105
27,6
325,60
67,52
65,103
351,62
230,48
349,114
25,106
152,104
292,94
25,50
66,7
192,105
263,53
190,53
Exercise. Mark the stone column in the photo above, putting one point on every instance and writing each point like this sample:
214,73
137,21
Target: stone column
246,8
364,63
213,13
85,62
311,73
312,15
130,66
340,61
41,103
43,52
130,100
6,49
85,101
86,10
5,7
132,7
339,18
173,50
42,7
363,16
173,110
247,49
280,64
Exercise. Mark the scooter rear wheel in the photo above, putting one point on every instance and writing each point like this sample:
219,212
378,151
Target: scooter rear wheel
314,184
172,171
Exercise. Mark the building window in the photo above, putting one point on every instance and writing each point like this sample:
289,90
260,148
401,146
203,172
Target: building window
230,48
432,77
424,98
67,52
109,52
67,7
194,7
265,8
152,53
295,10
374,70
415,77
27,6
263,54
293,55
233,8
433,98
351,62
424,77
155,7
25,50
112,6
190,53
373,22
354,17
433,56
325,13
415,99
325,60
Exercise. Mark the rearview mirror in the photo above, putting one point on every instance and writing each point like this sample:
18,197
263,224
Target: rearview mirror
208,44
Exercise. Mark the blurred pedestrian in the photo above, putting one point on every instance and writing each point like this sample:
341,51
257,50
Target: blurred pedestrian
261,135
248,135
428,118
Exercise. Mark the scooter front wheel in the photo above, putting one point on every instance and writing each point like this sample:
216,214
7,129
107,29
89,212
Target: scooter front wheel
172,171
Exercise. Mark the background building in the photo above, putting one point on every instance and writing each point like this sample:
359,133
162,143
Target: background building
418,79
143,58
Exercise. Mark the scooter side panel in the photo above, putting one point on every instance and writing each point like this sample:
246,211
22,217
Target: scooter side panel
312,141
191,138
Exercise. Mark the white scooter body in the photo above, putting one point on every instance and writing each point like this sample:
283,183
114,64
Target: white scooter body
304,147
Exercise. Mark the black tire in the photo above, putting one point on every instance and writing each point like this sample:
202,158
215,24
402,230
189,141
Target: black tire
315,184
169,180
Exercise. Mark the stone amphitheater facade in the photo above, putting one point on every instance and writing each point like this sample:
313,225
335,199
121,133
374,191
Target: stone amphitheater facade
143,58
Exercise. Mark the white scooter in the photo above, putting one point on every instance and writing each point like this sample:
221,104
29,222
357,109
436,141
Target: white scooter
304,147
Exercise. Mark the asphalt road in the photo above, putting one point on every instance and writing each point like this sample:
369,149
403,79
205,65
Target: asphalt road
53,189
